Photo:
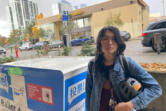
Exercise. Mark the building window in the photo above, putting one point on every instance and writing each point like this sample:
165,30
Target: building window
75,24
80,23
86,22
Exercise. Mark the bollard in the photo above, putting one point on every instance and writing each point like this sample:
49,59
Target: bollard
157,42
16,51
45,49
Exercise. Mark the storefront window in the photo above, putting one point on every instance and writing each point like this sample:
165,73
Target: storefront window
86,22
80,23
49,30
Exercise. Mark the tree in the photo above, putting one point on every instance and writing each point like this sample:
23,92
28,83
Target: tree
41,33
87,50
114,20
28,31
32,32
3,41
67,28
15,37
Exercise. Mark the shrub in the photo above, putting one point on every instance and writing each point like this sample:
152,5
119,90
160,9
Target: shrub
87,50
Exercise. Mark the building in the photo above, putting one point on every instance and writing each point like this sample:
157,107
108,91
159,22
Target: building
82,5
155,19
89,20
59,7
22,13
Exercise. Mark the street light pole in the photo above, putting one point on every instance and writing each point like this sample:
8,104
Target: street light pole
163,6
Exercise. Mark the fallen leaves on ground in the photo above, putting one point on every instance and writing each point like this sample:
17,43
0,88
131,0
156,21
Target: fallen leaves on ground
154,66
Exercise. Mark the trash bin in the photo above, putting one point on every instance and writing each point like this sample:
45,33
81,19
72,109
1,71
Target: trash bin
44,84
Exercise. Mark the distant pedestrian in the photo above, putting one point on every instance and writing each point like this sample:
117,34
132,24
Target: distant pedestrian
16,51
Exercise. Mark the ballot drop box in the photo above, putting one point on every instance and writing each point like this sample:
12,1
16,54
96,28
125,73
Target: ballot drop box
44,84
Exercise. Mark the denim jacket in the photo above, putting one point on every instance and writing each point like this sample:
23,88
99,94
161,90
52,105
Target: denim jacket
95,81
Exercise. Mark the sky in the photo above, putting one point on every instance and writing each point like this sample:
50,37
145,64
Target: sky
44,6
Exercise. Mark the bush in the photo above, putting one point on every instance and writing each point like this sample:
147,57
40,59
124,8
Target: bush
66,51
7,59
87,50
41,51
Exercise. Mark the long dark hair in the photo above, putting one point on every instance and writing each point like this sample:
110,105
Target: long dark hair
99,57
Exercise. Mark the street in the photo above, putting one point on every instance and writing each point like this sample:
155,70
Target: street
134,49
143,54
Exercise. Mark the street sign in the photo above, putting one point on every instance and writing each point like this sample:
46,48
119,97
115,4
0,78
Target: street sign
65,16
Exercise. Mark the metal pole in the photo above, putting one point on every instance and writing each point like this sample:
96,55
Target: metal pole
157,42
163,7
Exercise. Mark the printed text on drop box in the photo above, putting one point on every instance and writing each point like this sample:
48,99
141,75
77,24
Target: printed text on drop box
79,107
76,90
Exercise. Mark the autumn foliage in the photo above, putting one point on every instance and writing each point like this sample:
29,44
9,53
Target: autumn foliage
154,67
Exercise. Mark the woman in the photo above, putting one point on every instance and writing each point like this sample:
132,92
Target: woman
105,74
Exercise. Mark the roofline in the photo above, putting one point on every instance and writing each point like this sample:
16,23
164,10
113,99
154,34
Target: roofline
142,3
98,5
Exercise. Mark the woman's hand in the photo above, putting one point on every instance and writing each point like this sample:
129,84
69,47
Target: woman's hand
124,106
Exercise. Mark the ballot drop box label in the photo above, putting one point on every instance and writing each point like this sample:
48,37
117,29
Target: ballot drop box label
75,92
30,89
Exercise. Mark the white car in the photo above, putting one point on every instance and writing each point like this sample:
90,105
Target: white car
56,44
2,50
26,46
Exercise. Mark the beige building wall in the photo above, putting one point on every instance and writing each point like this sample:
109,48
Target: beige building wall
146,18
57,30
130,15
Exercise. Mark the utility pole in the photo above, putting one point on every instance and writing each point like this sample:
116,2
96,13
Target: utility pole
65,19
163,7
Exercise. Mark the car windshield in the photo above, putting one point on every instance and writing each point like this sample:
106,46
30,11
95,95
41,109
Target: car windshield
1,48
122,33
39,43
58,41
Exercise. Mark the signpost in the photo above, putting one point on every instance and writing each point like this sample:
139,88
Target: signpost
65,19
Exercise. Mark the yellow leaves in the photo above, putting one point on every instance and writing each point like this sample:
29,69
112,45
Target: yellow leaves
28,36
35,31
60,16
40,16
154,67
3,41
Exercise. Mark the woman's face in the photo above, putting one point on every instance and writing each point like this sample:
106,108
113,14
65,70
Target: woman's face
108,43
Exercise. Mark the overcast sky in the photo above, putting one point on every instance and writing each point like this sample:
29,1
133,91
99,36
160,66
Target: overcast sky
45,7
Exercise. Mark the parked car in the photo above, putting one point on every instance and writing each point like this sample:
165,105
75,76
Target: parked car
2,50
148,35
125,35
80,40
26,46
56,44
40,45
